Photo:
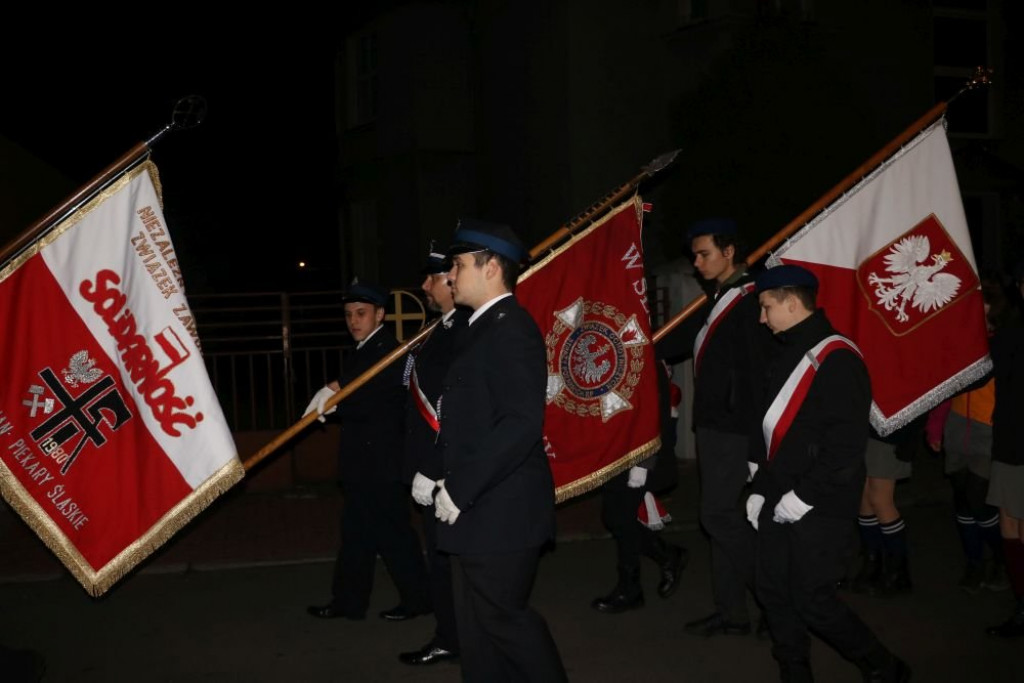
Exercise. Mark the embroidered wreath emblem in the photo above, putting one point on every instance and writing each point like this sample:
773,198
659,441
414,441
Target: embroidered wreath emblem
595,357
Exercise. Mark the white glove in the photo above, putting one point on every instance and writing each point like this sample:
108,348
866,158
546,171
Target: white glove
423,489
637,477
754,504
444,508
790,509
317,404
752,466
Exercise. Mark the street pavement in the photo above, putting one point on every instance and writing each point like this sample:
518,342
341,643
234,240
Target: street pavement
225,601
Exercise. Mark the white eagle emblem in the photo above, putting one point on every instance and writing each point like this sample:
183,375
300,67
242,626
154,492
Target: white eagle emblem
80,369
583,359
913,281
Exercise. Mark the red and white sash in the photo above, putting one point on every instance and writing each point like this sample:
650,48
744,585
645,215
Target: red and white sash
423,403
784,408
718,312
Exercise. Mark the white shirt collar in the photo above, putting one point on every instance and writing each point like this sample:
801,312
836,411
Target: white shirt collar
480,311
369,336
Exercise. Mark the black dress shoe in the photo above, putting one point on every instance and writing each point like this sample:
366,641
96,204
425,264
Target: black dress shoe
428,654
617,602
330,611
402,613
716,625
671,570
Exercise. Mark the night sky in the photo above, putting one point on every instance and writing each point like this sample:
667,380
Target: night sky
247,194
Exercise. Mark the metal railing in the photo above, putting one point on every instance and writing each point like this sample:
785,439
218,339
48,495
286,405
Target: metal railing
268,353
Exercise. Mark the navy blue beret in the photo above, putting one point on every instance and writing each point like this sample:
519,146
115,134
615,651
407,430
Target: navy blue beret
712,226
366,293
785,276
437,261
474,235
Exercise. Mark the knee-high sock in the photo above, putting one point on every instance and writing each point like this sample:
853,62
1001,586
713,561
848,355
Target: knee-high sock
870,534
894,538
970,538
989,531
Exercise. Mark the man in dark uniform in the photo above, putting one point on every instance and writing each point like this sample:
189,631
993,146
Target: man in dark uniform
497,497
807,491
727,346
375,518
423,466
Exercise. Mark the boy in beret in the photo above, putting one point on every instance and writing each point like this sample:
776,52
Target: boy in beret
375,515
807,490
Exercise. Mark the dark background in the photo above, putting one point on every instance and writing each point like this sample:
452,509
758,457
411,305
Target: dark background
247,193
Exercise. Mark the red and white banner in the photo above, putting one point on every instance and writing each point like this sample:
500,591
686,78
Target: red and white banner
897,275
111,436
589,298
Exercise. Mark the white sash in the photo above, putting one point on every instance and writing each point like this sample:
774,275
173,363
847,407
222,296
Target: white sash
784,408
718,312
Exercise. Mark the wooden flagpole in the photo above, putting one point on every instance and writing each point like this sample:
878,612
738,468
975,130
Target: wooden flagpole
188,112
981,77
589,214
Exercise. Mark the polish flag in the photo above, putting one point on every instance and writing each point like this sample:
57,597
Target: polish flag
111,436
897,275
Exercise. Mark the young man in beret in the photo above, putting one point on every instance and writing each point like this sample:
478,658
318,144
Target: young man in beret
375,518
423,466
496,500
807,490
727,346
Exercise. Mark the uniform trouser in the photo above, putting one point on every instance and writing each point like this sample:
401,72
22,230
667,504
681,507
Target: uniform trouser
503,640
439,565
375,519
619,505
722,461
798,567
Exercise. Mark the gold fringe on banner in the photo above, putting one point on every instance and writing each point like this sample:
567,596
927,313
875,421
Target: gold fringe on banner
595,479
69,222
96,583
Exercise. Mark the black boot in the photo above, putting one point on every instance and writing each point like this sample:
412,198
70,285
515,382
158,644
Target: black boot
795,671
1012,627
869,577
626,595
671,561
895,577
882,666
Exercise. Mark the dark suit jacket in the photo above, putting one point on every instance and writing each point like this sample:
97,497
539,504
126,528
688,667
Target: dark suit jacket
492,421
728,389
432,359
372,418
821,458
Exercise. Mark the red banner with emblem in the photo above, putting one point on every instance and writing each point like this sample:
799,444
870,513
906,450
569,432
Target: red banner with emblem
589,298
111,436
897,275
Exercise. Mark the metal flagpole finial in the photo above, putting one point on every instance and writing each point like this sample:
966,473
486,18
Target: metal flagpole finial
661,162
188,112
982,76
